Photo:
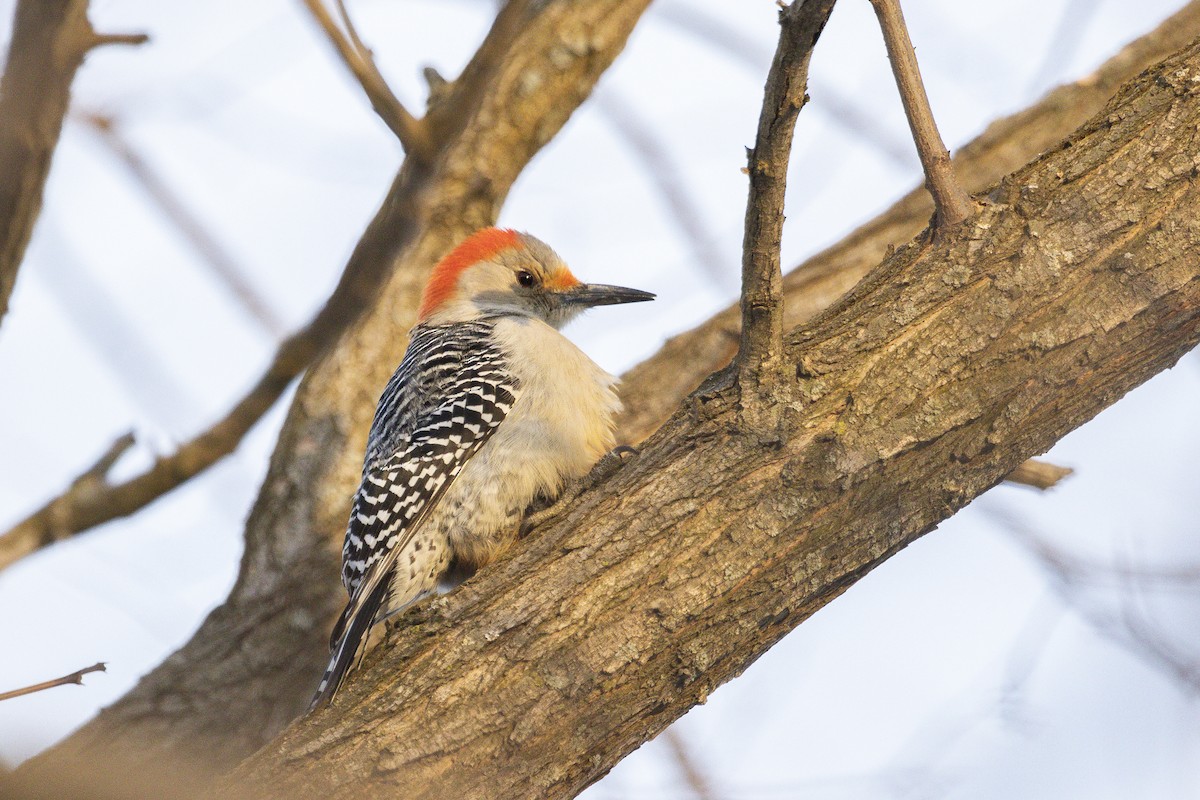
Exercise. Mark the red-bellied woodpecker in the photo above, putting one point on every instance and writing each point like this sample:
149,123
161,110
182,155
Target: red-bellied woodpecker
490,409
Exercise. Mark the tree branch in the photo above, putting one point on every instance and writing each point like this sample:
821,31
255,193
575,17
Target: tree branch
74,678
49,41
800,25
951,201
412,132
920,392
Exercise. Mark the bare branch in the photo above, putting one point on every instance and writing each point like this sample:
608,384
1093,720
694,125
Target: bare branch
952,203
76,511
1038,474
762,279
652,390
412,132
74,678
211,252
49,40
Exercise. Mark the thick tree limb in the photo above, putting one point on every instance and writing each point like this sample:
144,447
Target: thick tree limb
75,678
951,364
786,92
248,670
49,41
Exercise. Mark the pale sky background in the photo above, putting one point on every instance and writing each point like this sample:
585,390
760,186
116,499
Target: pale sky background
962,668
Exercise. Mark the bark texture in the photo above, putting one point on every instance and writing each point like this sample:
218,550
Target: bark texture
951,364
255,659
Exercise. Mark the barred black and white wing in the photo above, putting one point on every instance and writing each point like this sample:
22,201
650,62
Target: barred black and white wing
445,401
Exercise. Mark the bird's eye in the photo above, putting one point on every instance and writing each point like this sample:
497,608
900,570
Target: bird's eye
526,279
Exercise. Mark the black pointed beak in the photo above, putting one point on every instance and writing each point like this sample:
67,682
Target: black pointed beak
598,294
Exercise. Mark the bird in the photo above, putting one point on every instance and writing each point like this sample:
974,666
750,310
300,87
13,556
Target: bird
491,409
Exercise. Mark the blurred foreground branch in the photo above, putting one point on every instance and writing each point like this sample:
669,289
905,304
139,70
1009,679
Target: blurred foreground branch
49,41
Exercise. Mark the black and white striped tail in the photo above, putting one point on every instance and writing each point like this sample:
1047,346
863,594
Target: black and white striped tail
347,645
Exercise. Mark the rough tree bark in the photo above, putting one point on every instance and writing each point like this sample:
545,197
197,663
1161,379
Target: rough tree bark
239,685
952,363
49,41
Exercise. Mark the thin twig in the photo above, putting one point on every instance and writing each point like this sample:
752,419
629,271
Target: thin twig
412,132
211,252
1038,474
762,279
75,510
952,203
74,678
55,516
